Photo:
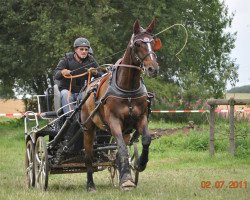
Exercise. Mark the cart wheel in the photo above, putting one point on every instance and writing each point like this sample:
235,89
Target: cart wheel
29,164
41,164
114,174
134,157
113,169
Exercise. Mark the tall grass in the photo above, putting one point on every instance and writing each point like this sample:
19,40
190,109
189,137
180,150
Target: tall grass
177,166
198,138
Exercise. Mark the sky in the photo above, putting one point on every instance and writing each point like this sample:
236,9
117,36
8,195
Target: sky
241,52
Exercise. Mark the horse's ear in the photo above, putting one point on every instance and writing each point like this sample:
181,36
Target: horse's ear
151,26
157,44
136,27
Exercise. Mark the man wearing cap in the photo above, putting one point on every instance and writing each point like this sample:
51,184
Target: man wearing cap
74,63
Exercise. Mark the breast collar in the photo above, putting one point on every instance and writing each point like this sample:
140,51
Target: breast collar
115,91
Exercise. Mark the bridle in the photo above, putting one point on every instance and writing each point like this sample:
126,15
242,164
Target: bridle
133,45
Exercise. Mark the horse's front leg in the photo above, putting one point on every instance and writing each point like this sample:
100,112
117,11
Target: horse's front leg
88,146
126,180
142,127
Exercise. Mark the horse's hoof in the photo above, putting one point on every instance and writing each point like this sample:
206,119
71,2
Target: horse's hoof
139,167
91,189
127,185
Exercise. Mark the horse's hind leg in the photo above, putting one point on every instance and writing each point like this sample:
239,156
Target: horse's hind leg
146,140
88,145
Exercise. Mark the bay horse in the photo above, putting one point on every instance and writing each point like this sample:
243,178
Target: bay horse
122,102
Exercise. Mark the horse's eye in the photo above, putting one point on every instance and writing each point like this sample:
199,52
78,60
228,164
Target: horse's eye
137,44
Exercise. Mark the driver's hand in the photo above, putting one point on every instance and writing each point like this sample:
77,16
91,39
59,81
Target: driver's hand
66,72
93,70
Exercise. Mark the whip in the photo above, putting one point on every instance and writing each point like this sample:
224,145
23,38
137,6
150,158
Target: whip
185,38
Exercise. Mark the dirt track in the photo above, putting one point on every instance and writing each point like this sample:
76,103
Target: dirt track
156,133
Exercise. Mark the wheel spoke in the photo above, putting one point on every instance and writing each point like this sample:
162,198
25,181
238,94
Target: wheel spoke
38,174
38,159
133,152
41,179
30,167
41,162
28,152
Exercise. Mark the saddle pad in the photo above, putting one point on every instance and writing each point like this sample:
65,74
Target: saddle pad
103,79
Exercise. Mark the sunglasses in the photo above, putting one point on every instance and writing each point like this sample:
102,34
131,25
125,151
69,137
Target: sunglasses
84,49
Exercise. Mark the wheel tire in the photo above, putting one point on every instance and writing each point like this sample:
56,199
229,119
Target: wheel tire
133,159
41,164
29,164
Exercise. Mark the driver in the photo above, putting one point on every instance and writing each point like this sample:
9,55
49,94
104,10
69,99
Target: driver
74,63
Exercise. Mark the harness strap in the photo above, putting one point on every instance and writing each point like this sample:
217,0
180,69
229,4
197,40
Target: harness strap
118,64
103,79
129,66
89,76
124,98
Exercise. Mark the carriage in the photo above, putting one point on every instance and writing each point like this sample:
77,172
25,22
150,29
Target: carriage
78,141
57,147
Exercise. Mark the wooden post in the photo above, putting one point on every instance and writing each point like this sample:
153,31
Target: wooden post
212,125
231,124
231,102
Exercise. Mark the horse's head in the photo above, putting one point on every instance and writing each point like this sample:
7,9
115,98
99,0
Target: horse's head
143,46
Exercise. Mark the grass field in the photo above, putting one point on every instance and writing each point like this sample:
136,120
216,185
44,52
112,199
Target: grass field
174,172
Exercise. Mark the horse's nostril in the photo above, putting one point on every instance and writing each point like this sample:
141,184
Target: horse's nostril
150,69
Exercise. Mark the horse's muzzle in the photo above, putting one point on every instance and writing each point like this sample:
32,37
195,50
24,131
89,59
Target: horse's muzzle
152,71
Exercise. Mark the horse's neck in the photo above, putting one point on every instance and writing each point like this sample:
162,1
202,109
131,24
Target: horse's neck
128,78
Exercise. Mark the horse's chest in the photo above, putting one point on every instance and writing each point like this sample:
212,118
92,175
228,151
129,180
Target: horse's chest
132,108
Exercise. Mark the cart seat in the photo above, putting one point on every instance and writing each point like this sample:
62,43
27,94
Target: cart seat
53,102
57,99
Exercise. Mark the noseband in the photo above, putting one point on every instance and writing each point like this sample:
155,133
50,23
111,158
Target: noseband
146,40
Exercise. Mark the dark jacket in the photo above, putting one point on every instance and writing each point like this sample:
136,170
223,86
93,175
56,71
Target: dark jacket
70,63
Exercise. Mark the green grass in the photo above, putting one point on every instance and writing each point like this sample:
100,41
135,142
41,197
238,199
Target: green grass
174,171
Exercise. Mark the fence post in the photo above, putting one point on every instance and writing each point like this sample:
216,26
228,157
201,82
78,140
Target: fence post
231,124
212,125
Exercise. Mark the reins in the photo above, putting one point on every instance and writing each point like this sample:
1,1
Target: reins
124,65
154,36
130,66
118,64
77,76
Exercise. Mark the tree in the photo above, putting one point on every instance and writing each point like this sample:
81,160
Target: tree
35,34
205,62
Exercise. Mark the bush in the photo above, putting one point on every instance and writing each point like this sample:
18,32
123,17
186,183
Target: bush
12,123
196,142
199,140
168,96
242,139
